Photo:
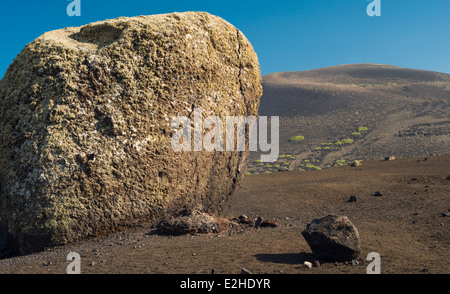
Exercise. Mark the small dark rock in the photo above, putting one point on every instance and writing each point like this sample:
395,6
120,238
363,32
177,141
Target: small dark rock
245,271
352,199
258,221
378,193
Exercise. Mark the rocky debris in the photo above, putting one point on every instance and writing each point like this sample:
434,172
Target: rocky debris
316,263
377,193
189,221
333,238
243,219
389,158
447,213
352,199
261,223
245,271
307,264
86,124
268,223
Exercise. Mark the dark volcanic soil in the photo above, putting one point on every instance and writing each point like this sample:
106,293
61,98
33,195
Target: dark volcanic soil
406,226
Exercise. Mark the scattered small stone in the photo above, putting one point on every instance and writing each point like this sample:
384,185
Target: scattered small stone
307,264
424,270
316,263
258,221
92,263
426,159
378,193
356,163
245,271
354,262
389,158
41,70
213,271
352,199
47,263
447,213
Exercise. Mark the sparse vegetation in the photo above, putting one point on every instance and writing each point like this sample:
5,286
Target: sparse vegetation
297,138
344,141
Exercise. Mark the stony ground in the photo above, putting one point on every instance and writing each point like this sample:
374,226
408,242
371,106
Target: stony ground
407,226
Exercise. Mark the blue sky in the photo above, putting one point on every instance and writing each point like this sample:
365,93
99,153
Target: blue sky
287,35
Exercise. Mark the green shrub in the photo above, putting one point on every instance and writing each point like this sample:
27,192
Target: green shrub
297,139
248,174
356,134
362,129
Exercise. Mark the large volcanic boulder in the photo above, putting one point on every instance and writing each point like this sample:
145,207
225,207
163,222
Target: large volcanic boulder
85,124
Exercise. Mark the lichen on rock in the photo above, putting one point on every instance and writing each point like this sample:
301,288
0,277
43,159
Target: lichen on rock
85,124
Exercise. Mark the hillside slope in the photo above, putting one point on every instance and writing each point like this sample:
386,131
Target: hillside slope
385,110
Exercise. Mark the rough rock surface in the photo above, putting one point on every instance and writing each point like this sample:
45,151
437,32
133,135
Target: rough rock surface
333,238
85,128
